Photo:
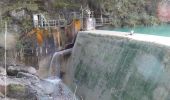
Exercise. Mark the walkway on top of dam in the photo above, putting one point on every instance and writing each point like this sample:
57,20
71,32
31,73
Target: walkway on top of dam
135,36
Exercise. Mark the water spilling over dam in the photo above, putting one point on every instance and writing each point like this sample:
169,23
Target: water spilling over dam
55,64
59,89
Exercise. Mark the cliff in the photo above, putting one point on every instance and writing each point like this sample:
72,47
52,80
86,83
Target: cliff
130,13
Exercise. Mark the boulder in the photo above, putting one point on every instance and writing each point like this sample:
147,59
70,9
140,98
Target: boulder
2,71
26,75
13,70
16,90
20,91
32,70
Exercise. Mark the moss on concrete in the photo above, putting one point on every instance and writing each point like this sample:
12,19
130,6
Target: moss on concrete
117,68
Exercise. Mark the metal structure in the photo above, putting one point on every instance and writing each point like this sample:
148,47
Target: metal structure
103,21
59,28
86,17
39,20
47,35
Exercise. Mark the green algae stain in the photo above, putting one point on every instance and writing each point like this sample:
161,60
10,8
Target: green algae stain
116,79
86,76
135,87
115,62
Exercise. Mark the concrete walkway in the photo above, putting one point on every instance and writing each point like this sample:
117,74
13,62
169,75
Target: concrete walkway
136,36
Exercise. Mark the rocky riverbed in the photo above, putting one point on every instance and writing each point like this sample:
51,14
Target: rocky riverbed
22,83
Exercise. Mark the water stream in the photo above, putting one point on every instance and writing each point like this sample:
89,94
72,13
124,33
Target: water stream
59,90
55,64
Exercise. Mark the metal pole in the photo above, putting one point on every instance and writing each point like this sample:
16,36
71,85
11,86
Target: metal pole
5,56
82,15
0,18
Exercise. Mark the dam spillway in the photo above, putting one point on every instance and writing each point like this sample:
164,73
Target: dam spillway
109,65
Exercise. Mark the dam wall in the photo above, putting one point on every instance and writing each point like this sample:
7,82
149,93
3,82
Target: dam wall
108,65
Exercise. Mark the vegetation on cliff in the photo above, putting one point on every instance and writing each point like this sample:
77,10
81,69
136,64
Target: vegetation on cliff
128,12
124,12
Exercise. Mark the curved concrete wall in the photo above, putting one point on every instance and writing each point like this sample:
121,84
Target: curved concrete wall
119,67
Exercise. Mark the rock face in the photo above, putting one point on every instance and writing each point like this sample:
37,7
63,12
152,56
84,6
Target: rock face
21,83
163,11
108,67
16,88
30,88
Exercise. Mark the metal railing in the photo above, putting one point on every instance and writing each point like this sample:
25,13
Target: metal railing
55,23
100,21
103,21
51,23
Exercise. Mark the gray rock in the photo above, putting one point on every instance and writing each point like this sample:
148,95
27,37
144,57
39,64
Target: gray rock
13,70
45,98
32,70
2,71
20,91
26,75
2,90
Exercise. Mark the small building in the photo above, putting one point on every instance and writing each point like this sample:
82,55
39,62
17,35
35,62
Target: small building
38,20
89,23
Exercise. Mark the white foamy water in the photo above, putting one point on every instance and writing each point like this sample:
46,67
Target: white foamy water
59,90
54,80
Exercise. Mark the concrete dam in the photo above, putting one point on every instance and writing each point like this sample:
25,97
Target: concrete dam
109,65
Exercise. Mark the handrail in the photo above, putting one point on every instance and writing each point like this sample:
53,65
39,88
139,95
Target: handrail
51,23
75,15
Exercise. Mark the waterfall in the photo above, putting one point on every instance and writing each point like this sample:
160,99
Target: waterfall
57,88
55,64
